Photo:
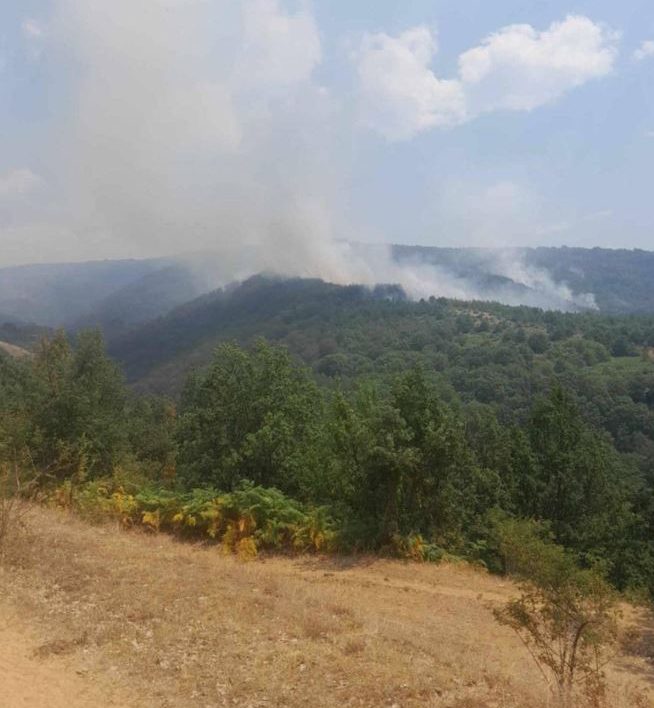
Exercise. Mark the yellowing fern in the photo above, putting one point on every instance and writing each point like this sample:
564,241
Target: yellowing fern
151,519
247,549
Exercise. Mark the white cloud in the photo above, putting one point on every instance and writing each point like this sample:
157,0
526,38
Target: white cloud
18,183
645,50
517,68
401,94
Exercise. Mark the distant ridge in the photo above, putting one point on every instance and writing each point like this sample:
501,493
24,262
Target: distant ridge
119,295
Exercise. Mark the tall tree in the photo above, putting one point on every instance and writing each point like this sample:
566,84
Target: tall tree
248,417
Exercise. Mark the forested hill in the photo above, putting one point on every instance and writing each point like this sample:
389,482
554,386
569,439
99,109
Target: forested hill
477,352
119,295
305,314
112,295
56,294
621,280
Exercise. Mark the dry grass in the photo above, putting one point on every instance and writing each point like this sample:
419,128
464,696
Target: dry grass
14,351
180,625
14,509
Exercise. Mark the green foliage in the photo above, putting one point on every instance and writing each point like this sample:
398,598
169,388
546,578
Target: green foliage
538,342
68,414
565,615
400,462
77,407
244,521
249,417
405,427
16,425
151,435
581,486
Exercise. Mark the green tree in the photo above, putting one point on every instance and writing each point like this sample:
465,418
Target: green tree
401,461
152,427
580,484
566,616
249,416
79,407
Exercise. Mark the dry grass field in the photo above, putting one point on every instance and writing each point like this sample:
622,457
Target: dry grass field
95,616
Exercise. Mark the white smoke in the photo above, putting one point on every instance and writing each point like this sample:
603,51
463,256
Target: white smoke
187,125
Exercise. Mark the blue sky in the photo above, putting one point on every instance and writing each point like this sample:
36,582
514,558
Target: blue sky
140,128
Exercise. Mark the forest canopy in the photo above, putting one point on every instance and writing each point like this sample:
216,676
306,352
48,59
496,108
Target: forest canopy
373,422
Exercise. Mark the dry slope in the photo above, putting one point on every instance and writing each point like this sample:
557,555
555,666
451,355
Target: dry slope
126,619
13,351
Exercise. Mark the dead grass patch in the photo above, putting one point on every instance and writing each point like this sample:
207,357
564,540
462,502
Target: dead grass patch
58,647
177,624
341,611
354,646
14,509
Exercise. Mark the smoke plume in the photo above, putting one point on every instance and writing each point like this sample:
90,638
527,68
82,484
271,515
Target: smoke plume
189,125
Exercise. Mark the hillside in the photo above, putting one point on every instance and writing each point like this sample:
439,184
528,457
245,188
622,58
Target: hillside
118,295
20,334
150,296
342,333
621,280
484,359
260,307
84,614
12,350
111,295
56,294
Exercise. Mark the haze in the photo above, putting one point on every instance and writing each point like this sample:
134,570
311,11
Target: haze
277,132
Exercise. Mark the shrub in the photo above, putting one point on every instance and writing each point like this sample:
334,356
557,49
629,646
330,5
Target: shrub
566,616
244,521
414,547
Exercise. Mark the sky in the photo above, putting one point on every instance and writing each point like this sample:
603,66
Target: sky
280,128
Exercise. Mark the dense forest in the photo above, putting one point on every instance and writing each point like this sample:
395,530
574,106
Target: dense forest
301,414
480,351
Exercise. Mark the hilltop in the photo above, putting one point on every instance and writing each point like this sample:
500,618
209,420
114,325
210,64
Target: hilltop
483,351
122,294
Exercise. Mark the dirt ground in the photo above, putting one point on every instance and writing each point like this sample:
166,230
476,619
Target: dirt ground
29,678
96,616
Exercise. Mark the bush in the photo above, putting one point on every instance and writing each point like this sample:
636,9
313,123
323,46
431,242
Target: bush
244,521
566,616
